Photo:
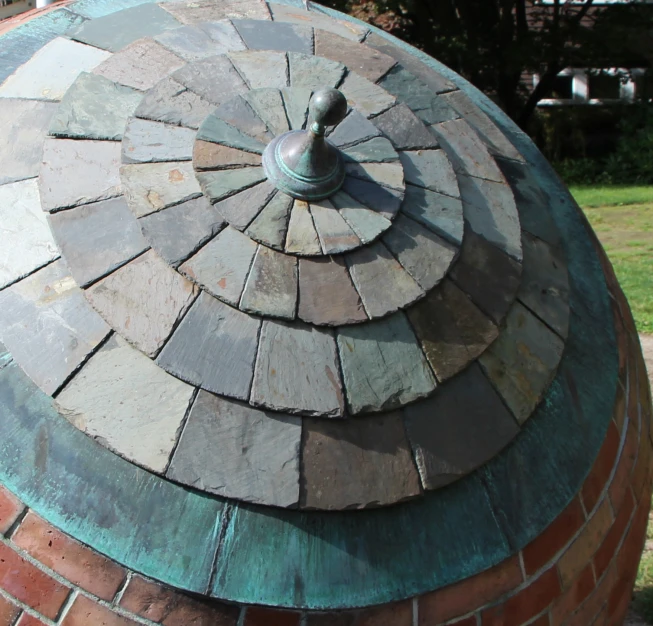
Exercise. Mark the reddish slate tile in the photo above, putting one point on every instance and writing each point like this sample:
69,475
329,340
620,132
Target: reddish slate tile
543,620
621,480
8,612
556,536
10,508
30,585
344,618
592,606
259,616
74,561
574,596
639,480
29,620
526,604
399,614
86,612
604,554
464,597
601,470
468,621
170,608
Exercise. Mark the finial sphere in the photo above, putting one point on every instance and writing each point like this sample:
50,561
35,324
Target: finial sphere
328,107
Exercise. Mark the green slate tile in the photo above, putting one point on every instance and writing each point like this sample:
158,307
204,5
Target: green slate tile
262,69
375,150
95,108
366,97
216,130
404,129
430,169
367,224
271,224
215,79
146,141
384,200
383,365
387,174
314,72
114,32
268,105
194,42
260,35
219,185
238,113
296,100
240,209
333,231
442,214
354,129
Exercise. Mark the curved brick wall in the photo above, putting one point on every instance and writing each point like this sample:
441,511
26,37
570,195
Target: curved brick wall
579,572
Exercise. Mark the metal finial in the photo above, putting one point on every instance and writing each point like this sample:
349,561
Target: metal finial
304,164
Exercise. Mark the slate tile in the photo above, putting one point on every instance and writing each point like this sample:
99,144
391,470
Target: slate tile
140,65
48,327
357,464
382,365
285,37
214,347
23,127
150,187
271,224
193,43
197,11
123,399
488,275
424,255
180,230
367,224
142,301
326,293
94,108
302,237
216,130
354,129
375,150
219,185
544,287
97,238
297,370
214,156
262,68
268,105
75,172
366,97
52,70
383,284
430,169
363,60
214,79
452,330
334,233
222,265
411,91
146,141
490,211
523,361
466,150
240,209
294,15
240,452
314,72
271,287
172,103
380,199
404,129
386,174
441,214
296,100
238,113
115,31
459,429
27,242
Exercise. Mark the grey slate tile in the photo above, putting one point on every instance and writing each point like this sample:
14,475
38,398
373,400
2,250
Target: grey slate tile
238,113
213,347
430,169
198,11
240,452
222,265
314,72
259,35
404,129
386,174
180,230
271,225
143,300
240,209
326,293
375,150
262,68
380,199
75,172
271,287
23,127
302,237
48,326
383,284
382,365
268,105
221,184
146,141
215,79
354,129
366,97
296,100
457,430
192,43
367,224
334,233
356,464
224,34
150,187
441,214
121,398
217,130
115,31
297,370
97,238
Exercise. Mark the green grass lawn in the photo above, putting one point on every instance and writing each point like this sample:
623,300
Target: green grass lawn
623,220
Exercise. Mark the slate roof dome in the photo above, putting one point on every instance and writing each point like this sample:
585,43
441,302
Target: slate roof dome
417,400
